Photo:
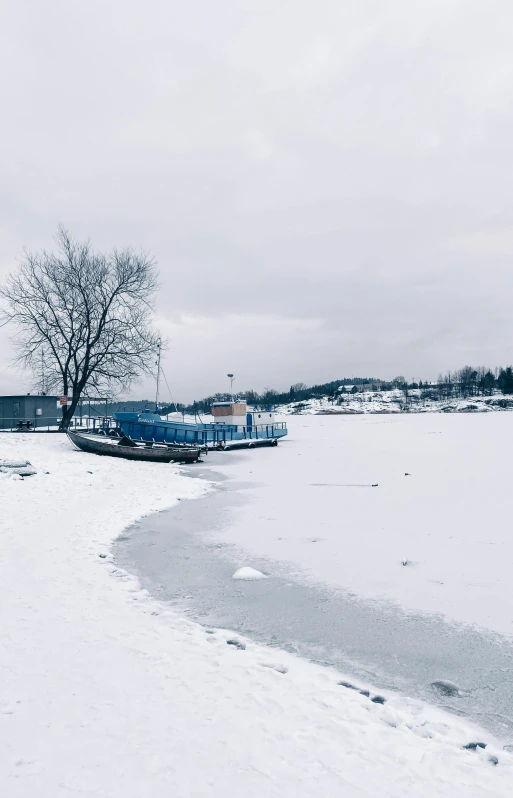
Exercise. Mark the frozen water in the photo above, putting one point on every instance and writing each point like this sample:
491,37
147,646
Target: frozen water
377,644
338,592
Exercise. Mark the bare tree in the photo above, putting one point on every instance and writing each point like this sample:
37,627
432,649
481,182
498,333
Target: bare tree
269,396
89,313
467,378
487,382
445,384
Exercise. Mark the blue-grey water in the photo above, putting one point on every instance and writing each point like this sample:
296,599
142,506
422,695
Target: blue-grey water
177,559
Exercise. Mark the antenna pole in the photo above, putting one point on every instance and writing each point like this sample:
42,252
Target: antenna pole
42,372
231,377
158,377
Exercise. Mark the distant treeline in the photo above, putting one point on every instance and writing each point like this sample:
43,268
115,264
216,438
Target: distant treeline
468,381
296,393
481,381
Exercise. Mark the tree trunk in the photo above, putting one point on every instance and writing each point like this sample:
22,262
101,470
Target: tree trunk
68,412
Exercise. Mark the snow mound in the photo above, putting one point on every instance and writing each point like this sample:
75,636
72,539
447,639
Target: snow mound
248,574
21,468
275,667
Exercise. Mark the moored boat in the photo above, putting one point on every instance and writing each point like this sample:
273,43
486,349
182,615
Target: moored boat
123,446
232,422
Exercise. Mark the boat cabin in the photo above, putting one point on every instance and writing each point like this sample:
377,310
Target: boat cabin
238,415
233,413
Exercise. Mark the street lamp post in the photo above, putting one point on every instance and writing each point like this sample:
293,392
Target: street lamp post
231,377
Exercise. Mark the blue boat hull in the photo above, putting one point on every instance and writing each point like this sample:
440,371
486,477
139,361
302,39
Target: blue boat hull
150,427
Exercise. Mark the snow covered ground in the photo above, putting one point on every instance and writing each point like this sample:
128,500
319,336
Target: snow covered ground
106,693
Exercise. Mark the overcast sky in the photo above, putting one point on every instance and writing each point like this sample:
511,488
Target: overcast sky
325,184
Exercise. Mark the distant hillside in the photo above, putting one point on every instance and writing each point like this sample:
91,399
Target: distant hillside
460,384
416,400
297,392
465,383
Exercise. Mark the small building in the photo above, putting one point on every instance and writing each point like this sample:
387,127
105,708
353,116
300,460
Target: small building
361,387
41,411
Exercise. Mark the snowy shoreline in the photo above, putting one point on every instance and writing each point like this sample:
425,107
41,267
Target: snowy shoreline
177,557
108,693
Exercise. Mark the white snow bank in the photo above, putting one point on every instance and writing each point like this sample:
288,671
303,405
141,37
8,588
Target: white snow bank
19,468
248,574
18,463
106,693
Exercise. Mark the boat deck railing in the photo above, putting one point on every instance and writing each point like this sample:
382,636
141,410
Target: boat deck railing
201,436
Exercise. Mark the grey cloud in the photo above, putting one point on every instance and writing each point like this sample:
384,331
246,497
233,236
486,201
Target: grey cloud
346,163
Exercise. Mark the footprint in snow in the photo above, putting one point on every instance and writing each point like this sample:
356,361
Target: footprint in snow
237,644
277,668
376,699
475,746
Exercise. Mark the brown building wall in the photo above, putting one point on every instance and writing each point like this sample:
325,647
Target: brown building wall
236,409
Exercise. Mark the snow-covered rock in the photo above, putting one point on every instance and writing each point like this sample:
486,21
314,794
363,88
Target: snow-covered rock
248,574
21,468
16,463
446,687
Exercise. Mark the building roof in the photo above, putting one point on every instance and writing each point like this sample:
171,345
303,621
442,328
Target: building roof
29,396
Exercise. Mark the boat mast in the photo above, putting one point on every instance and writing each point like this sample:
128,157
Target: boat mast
158,377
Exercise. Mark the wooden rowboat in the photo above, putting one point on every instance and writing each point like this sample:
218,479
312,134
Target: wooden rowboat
125,447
